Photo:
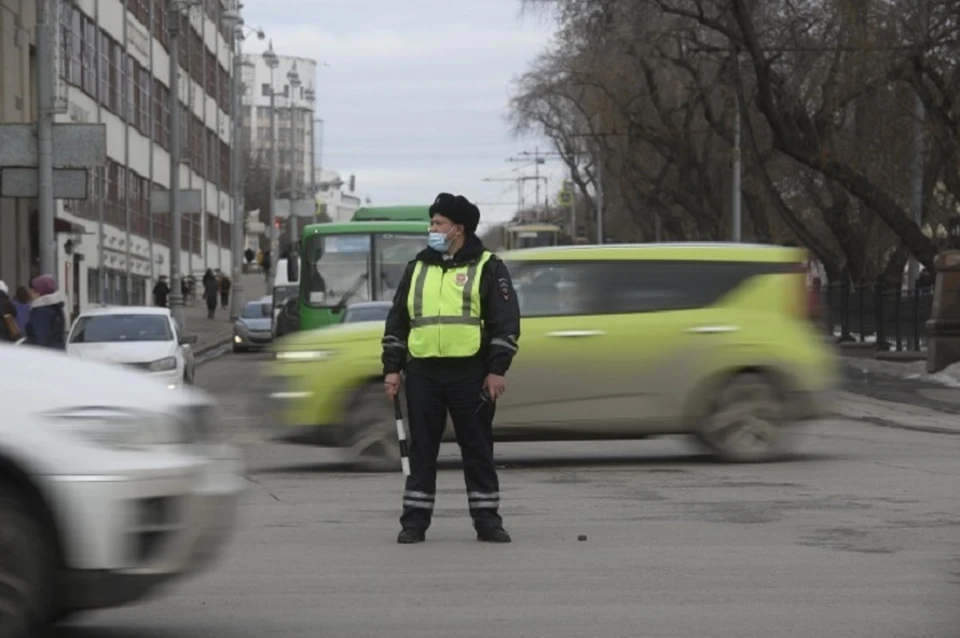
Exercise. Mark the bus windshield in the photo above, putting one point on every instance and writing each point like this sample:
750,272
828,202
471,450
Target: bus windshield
368,265
534,238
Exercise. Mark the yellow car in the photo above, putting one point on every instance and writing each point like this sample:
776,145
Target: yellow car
617,342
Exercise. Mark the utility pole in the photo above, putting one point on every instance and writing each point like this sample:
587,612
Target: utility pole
600,202
735,221
916,190
176,295
538,159
296,160
272,62
45,111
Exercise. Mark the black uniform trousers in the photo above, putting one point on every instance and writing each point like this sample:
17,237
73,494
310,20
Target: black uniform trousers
434,388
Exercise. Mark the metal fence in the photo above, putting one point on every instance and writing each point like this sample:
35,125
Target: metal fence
890,318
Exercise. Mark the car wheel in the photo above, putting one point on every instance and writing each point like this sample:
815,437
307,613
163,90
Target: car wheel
374,447
26,568
744,422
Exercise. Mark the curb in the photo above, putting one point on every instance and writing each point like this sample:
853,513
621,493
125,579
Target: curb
212,345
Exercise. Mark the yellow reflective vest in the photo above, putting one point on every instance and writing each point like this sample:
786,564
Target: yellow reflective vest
444,307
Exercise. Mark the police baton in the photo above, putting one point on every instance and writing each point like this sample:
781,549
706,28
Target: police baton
401,435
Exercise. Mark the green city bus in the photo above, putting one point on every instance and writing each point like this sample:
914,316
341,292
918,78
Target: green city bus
343,262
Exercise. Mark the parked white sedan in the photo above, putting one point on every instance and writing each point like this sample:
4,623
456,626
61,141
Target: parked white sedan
140,337
110,485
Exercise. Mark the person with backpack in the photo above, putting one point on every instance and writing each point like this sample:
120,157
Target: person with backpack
48,321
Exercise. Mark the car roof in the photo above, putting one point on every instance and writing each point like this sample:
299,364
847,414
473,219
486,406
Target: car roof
125,310
675,251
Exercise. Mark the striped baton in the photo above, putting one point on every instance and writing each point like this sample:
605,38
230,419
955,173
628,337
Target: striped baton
401,435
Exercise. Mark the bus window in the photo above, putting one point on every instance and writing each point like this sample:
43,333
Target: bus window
337,263
393,251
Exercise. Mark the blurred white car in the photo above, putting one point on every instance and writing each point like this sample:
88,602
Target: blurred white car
144,338
109,486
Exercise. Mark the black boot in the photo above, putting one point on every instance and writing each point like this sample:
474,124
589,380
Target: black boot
410,535
493,535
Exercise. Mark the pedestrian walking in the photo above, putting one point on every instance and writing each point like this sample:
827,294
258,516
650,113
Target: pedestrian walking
161,292
224,291
210,288
453,329
22,301
47,325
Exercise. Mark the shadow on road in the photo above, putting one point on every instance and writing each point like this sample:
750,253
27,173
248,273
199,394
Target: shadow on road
671,464
93,631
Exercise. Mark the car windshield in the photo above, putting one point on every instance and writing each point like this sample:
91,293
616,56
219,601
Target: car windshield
369,313
338,264
121,328
256,310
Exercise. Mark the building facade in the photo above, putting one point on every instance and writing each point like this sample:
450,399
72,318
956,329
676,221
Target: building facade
112,61
339,203
295,108
17,104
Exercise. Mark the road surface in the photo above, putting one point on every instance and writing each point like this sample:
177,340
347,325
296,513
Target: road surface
857,536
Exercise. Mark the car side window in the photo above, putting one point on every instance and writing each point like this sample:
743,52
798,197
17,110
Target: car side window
573,288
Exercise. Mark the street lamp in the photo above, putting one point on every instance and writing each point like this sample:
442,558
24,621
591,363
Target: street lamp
293,78
173,31
270,58
234,22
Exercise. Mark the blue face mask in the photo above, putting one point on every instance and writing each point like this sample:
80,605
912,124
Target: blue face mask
438,241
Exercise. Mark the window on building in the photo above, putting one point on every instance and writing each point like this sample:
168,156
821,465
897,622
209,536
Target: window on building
161,223
103,96
132,104
265,90
160,22
76,48
161,114
123,85
93,286
116,76
88,57
66,43
144,80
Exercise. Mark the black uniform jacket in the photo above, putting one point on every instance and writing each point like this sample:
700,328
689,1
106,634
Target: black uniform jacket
499,310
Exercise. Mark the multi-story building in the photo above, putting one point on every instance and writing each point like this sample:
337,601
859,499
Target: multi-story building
296,125
113,67
18,245
339,204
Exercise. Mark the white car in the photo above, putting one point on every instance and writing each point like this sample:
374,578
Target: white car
141,337
109,486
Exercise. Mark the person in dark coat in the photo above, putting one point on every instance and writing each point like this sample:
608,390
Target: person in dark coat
22,301
161,292
453,329
47,326
210,290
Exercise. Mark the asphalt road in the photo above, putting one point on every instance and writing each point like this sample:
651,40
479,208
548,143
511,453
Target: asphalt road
857,536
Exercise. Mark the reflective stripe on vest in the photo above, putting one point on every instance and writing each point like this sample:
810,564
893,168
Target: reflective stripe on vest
444,307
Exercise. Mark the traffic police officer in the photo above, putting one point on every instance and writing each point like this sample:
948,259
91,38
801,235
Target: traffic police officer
453,329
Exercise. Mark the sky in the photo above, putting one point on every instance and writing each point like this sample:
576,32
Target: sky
415,97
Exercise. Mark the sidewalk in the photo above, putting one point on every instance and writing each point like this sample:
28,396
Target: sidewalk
217,332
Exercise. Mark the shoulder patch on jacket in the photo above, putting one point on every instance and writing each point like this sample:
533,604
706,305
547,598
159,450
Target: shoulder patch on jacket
504,286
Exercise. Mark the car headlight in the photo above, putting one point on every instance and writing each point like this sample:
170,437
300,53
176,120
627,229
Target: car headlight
304,355
118,428
164,365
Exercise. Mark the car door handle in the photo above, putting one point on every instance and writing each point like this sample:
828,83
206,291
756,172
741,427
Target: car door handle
713,330
576,333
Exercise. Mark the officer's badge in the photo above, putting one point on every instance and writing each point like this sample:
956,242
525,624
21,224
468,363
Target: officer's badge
461,279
